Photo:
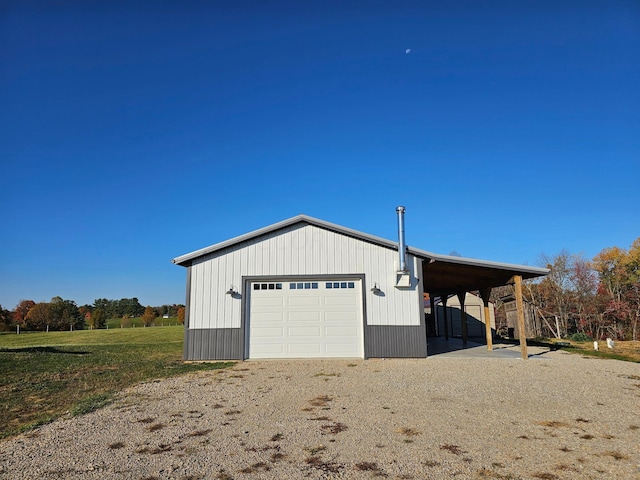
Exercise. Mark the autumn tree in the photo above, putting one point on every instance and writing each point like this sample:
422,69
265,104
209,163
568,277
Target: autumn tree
181,312
619,275
565,301
547,323
21,311
555,290
632,292
148,316
610,265
39,317
59,314
586,308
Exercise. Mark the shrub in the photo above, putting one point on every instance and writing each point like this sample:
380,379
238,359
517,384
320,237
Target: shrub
581,337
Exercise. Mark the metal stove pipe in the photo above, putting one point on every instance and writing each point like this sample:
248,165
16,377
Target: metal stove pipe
401,243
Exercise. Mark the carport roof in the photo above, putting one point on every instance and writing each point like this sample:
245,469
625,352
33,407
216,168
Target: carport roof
442,274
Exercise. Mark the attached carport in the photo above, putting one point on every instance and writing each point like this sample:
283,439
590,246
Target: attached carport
445,275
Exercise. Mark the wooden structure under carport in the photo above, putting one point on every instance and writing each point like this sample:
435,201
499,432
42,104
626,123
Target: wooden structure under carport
445,275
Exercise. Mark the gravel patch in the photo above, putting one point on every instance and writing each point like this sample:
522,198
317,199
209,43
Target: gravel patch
555,416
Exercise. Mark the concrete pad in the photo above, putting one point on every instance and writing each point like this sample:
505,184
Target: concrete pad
454,348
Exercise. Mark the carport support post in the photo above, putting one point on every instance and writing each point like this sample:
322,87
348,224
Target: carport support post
432,304
463,317
485,293
444,315
522,333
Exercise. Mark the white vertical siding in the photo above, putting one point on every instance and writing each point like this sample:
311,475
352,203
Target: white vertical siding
302,249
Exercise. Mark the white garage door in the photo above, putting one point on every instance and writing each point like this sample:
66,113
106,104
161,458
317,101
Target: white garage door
312,318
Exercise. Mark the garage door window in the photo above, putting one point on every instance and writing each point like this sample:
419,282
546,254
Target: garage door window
303,286
267,286
340,285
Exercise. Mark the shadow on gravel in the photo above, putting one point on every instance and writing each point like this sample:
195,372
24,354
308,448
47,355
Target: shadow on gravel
42,350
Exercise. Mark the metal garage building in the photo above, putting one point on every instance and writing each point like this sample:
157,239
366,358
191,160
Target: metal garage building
308,288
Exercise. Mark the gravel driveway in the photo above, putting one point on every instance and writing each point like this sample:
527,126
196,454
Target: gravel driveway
554,416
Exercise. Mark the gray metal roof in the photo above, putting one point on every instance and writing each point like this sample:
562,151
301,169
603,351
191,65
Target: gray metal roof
186,259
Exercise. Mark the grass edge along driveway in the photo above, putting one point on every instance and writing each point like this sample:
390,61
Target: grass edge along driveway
44,376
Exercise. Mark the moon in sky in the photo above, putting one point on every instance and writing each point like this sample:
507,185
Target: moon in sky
408,50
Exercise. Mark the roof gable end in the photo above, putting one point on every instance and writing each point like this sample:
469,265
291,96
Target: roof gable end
186,259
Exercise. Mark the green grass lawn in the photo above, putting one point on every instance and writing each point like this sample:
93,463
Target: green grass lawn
46,375
136,322
627,351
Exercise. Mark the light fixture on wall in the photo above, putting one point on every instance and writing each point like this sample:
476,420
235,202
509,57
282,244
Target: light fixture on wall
231,291
376,289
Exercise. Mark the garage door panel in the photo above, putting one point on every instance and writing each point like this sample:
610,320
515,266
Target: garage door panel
304,349
340,300
340,317
276,316
312,332
306,319
342,350
341,332
268,332
267,301
304,301
269,349
304,316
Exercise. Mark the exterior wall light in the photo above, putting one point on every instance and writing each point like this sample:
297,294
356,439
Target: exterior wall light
376,289
231,291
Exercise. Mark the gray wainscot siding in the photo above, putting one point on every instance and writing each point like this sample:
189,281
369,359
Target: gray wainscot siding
214,344
381,341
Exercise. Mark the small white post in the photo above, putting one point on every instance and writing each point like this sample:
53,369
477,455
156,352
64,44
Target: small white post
595,345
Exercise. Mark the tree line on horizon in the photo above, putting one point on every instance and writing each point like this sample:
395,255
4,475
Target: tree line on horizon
60,314
597,297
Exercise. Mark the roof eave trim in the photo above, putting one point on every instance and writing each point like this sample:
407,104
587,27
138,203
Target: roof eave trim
479,263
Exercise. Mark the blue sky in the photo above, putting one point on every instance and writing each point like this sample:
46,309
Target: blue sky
134,132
